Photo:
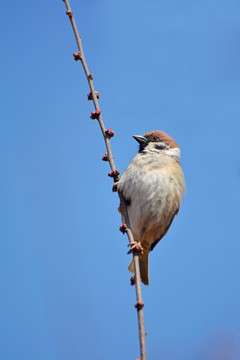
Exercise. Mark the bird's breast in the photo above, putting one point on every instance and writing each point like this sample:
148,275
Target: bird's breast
153,186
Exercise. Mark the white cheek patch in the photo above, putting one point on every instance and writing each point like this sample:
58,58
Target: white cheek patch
176,153
160,146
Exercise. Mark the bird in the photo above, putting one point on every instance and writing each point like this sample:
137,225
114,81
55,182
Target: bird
152,187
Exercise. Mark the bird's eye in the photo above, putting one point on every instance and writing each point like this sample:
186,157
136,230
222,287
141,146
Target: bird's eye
155,138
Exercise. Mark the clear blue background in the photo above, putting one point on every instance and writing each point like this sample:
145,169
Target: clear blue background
164,64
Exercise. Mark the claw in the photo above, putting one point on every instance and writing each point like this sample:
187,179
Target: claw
135,247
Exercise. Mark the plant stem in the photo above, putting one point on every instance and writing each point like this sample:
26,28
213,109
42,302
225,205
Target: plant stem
114,173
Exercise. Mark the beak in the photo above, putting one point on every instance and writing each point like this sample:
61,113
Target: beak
140,139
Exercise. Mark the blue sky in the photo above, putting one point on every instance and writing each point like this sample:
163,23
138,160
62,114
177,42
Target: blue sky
166,65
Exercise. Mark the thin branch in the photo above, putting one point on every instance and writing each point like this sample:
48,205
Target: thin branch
137,280
107,134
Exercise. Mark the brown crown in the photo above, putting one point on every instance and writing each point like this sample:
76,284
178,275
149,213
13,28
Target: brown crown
162,137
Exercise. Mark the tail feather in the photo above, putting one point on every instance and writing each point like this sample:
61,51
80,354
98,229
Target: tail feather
143,262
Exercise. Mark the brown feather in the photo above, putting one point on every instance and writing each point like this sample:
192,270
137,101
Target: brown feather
165,232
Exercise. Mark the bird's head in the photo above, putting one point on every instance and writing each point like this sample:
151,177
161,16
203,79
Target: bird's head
159,142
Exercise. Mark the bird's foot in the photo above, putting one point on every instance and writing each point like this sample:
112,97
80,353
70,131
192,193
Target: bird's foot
135,247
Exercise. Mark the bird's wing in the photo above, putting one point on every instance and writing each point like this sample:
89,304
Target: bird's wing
166,230
127,202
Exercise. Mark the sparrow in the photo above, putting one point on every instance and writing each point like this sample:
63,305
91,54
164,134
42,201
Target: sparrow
152,186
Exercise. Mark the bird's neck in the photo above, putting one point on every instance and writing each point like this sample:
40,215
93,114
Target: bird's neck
175,152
